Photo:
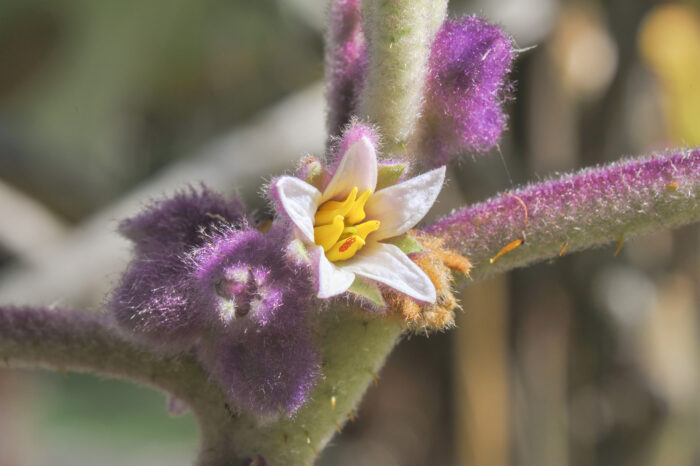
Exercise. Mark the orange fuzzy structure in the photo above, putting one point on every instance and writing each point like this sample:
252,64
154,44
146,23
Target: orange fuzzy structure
438,263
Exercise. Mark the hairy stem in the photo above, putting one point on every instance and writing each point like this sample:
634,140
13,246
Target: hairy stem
353,345
575,212
88,342
399,34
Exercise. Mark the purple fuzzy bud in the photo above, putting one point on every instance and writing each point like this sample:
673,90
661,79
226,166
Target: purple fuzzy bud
153,303
346,62
244,275
267,372
263,356
233,291
469,61
180,223
153,299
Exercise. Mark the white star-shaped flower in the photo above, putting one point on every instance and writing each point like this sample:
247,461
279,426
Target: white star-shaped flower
343,226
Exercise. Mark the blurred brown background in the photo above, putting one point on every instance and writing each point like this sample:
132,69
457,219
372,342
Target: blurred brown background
591,359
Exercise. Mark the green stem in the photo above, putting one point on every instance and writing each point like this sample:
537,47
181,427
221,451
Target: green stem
87,342
399,34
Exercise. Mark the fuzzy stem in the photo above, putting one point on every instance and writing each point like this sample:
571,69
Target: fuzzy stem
353,345
88,342
399,34
579,211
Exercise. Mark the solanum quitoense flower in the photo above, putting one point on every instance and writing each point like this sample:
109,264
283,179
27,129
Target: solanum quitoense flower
344,225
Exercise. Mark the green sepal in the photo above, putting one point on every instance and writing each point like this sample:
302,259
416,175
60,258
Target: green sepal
406,243
368,291
388,175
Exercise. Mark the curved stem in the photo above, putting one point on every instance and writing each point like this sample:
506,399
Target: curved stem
354,347
86,342
575,212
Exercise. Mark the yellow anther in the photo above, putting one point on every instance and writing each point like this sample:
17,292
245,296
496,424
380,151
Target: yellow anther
337,228
357,212
346,204
364,229
327,212
328,235
345,248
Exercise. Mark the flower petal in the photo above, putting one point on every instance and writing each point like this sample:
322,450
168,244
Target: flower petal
386,263
402,206
299,201
332,280
358,167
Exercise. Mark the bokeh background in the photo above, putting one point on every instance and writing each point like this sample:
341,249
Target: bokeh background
590,359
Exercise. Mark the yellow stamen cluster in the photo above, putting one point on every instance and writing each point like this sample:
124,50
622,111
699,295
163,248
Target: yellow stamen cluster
337,226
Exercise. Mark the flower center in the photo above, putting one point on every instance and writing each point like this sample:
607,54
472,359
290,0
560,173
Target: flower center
337,226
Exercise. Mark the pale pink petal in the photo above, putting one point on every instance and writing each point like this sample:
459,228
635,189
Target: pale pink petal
358,167
401,206
331,280
299,201
387,264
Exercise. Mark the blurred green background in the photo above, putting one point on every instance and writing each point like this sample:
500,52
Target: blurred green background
591,359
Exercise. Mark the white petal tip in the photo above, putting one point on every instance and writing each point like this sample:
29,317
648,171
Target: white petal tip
299,201
330,280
